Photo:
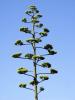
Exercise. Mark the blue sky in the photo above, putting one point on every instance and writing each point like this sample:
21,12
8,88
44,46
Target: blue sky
59,17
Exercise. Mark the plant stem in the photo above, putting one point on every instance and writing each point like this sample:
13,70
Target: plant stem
29,89
29,75
35,69
42,73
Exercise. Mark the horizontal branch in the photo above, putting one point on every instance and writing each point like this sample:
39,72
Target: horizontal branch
40,47
22,58
29,89
29,15
41,81
28,22
30,71
29,75
25,58
39,92
38,64
44,55
43,73
26,44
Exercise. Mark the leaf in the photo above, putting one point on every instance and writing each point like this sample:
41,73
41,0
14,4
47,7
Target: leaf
38,57
44,77
41,89
19,42
39,16
32,40
53,71
34,21
46,30
48,47
39,25
32,82
22,85
17,55
43,34
24,20
28,12
48,65
52,52
33,8
25,29
41,58
37,11
28,56
22,70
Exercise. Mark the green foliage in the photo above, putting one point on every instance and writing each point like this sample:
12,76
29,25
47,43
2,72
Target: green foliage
41,89
17,55
46,65
43,34
22,85
28,56
24,20
34,83
34,20
32,40
46,30
52,52
44,77
22,70
33,9
19,42
48,47
28,12
38,57
25,29
39,16
39,25
53,71
36,37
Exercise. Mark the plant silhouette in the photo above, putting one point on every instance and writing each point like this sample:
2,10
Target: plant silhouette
37,59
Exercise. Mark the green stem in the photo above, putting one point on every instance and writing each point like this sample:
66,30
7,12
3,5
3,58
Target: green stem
29,89
34,63
29,75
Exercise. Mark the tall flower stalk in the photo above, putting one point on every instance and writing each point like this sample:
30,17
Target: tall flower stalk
36,38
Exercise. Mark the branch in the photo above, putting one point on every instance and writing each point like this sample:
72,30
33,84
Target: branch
30,71
29,75
39,92
40,37
29,15
22,58
41,81
29,89
43,73
38,64
44,55
40,47
28,22
26,44
25,58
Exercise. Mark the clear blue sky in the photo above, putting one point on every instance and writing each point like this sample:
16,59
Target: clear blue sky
59,17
